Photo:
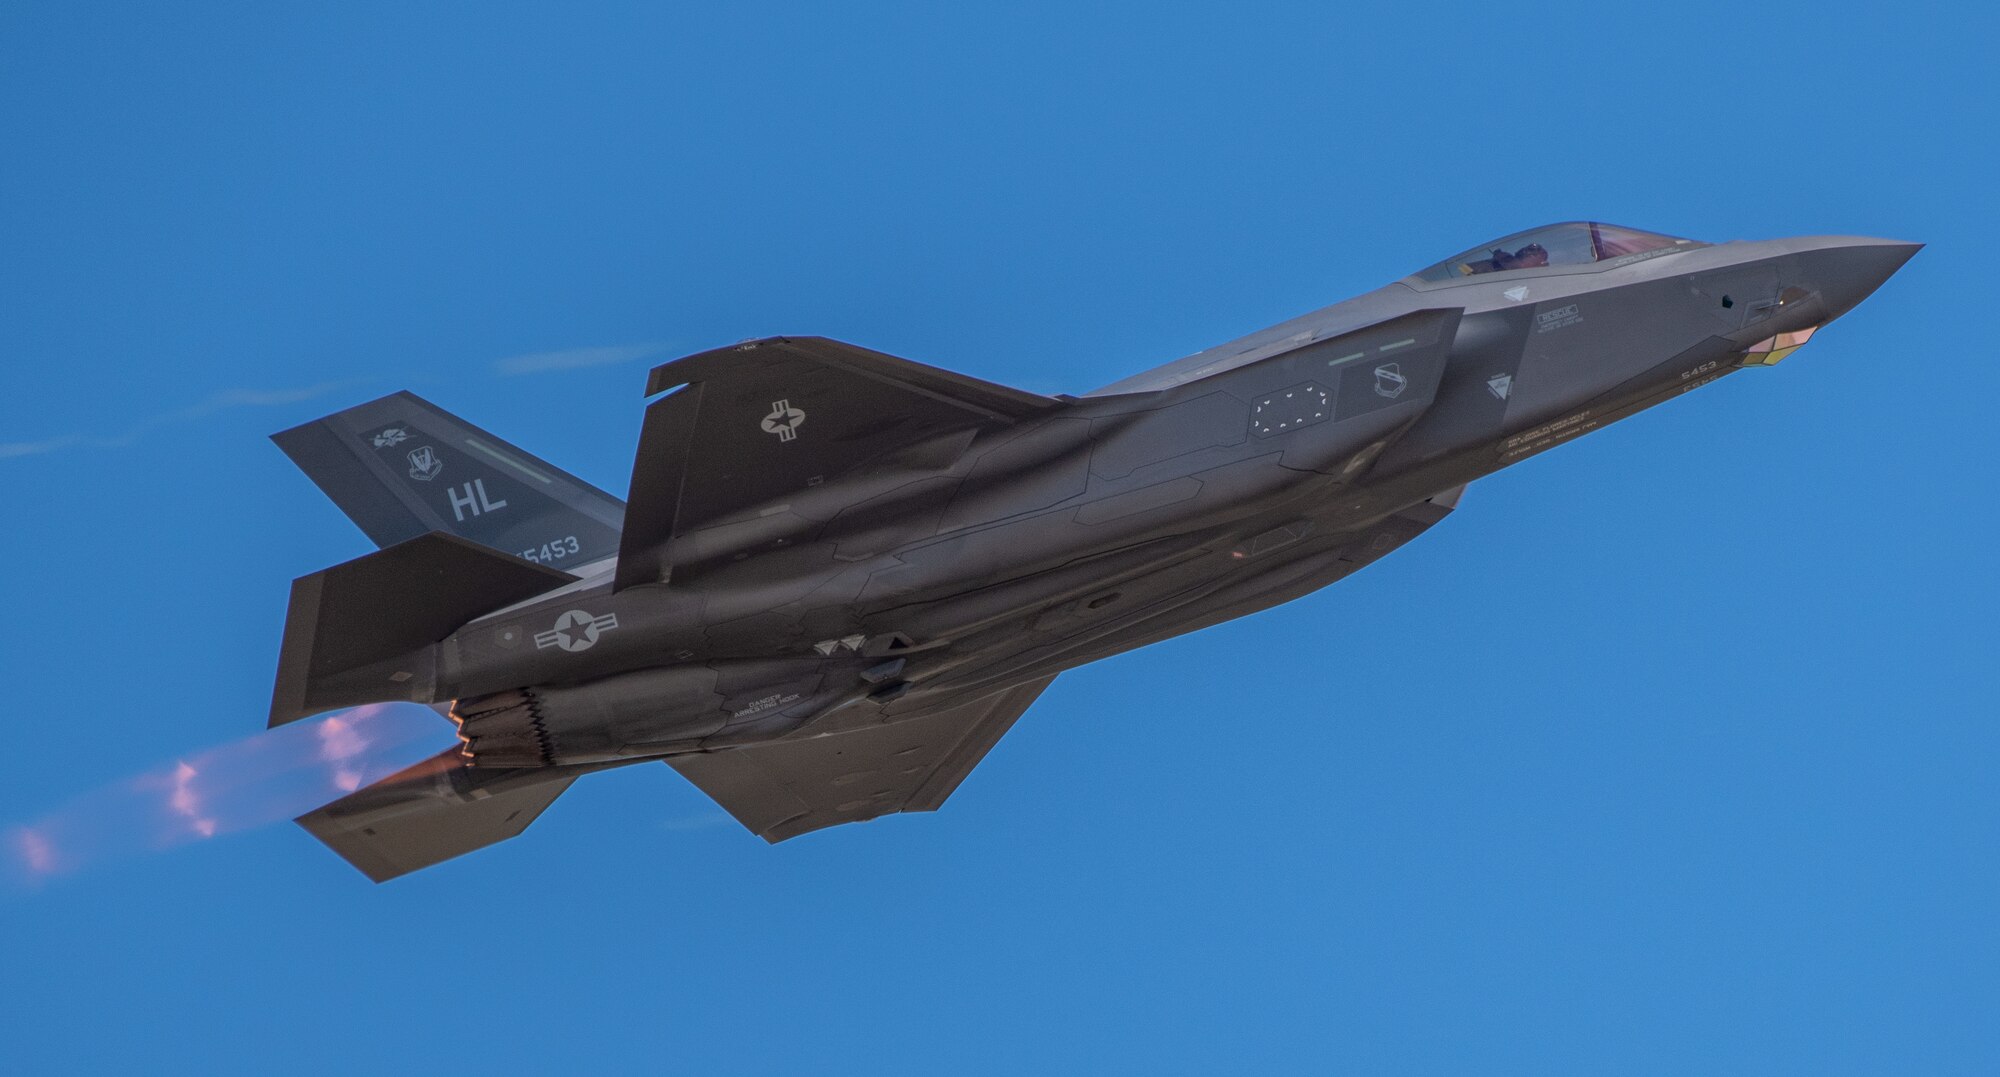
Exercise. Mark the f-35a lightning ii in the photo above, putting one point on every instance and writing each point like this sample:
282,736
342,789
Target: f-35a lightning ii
839,576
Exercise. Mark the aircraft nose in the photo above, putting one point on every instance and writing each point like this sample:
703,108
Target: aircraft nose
1846,271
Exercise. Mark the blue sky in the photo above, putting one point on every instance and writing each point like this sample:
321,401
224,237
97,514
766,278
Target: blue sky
1672,751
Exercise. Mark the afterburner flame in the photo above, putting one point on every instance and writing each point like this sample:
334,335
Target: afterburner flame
37,854
266,778
186,803
340,740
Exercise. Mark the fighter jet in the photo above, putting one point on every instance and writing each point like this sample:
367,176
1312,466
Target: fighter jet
838,577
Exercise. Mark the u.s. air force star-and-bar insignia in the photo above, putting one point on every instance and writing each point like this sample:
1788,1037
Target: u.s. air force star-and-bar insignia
784,420
576,631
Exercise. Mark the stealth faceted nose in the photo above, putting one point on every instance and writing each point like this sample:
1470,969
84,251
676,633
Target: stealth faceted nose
1846,271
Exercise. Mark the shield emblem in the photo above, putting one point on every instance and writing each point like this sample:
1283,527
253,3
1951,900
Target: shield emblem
1389,380
424,464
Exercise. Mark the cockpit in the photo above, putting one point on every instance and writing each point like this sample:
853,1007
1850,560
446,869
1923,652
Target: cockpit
1575,243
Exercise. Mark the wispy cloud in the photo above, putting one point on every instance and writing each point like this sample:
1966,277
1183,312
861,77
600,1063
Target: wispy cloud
117,439
10,449
231,399
574,358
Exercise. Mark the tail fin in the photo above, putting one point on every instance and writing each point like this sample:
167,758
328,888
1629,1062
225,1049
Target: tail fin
400,467
434,811
363,631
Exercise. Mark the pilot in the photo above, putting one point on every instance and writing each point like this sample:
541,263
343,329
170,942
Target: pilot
1532,256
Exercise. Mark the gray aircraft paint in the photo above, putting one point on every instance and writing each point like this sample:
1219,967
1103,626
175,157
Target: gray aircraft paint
840,576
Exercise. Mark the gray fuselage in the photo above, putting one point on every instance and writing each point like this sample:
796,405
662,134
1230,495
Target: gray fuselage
1223,483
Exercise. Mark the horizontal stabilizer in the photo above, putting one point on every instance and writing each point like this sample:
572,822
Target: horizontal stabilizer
786,788
759,421
360,632
401,466
436,810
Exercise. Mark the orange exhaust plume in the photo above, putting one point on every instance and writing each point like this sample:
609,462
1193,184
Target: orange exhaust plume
272,776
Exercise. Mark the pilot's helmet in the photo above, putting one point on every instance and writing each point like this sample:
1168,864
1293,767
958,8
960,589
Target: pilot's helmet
1534,254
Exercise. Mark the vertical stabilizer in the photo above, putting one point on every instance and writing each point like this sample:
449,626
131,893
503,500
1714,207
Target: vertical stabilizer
363,631
400,467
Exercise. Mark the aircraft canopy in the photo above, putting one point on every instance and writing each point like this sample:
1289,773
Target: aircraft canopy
1570,243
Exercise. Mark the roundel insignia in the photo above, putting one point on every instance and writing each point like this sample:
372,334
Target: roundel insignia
575,631
784,420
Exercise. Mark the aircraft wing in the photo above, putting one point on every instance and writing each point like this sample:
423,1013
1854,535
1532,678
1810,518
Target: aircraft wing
757,421
786,788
